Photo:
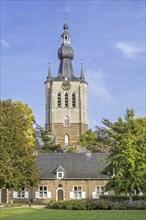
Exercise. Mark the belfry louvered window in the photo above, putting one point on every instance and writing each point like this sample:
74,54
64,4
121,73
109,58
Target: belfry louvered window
59,99
73,100
66,99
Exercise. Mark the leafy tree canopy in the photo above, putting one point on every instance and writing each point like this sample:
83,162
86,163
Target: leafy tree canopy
127,159
49,145
95,141
17,161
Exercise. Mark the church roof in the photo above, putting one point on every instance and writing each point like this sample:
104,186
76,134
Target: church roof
75,165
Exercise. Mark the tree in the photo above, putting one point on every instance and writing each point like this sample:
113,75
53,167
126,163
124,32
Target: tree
18,162
95,141
126,162
49,145
88,139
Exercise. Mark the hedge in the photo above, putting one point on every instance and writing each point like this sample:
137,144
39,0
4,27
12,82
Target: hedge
97,204
122,198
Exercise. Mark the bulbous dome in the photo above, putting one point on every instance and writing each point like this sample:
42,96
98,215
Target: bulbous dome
65,51
65,26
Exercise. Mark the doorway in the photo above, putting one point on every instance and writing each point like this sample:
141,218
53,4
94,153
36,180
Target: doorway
60,194
4,196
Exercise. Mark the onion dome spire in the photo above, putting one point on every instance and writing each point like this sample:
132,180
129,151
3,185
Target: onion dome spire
66,55
82,77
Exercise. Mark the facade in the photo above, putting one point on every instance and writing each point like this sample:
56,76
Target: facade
66,97
64,176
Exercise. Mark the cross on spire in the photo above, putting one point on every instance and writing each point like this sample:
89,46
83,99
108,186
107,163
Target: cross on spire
66,13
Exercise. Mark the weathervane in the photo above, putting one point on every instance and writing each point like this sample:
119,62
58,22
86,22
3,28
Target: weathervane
66,13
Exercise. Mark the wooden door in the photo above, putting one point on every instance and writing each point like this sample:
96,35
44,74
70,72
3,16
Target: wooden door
60,194
3,195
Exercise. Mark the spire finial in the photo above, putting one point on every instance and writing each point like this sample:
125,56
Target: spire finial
49,70
82,77
66,13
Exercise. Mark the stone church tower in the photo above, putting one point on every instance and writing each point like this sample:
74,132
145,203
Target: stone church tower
66,97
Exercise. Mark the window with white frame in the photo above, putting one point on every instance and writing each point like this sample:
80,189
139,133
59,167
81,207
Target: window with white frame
77,192
100,190
60,175
21,194
43,191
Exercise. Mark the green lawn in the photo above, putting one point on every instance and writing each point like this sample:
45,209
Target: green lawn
46,214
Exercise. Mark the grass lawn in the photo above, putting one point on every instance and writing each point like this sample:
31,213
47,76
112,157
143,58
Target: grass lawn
46,214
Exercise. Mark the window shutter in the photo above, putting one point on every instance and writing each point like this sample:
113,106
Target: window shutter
71,195
48,194
26,194
37,195
15,194
94,195
83,195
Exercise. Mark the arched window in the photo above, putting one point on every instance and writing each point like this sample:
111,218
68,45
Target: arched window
66,121
59,100
73,100
66,99
66,140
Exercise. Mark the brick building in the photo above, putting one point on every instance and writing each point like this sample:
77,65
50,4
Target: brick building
64,176
66,97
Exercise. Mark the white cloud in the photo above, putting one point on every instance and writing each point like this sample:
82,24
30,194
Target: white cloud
98,88
4,44
128,49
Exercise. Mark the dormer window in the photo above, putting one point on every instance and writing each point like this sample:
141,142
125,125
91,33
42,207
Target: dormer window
60,175
60,172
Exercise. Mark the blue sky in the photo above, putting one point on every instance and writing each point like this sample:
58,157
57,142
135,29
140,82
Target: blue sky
109,36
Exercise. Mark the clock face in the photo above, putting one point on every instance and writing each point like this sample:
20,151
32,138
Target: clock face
66,85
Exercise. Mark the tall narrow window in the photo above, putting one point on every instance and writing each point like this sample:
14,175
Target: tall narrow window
66,100
73,100
59,99
66,140
21,194
77,192
66,121
43,191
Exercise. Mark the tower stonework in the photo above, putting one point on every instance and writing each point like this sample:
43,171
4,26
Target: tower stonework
66,97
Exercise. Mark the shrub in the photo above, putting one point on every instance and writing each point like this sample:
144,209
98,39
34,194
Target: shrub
97,204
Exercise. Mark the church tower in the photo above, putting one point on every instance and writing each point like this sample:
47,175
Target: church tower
66,97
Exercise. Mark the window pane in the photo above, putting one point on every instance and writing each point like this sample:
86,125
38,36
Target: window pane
45,194
98,189
59,174
41,194
102,189
79,188
41,188
23,194
45,188
19,194
75,194
75,188
79,195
